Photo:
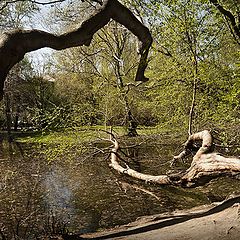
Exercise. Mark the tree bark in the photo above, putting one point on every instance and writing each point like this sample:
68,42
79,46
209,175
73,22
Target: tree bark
15,44
161,179
207,144
208,166
205,164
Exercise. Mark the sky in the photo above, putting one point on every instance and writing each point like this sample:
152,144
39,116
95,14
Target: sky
38,57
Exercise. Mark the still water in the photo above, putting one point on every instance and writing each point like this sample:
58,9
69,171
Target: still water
83,194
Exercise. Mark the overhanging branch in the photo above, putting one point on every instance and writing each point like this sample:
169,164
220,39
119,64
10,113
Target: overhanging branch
6,3
15,44
230,17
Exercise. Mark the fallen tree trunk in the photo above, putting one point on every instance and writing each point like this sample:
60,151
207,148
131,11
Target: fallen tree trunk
205,164
207,144
208,166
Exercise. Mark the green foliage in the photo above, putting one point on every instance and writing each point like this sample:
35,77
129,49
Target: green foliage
95,85
56,145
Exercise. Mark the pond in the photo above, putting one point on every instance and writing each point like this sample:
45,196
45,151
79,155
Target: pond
82,194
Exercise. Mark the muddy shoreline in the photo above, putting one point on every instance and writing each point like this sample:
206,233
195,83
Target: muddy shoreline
220,220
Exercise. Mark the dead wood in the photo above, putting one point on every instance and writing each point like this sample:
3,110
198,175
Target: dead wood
15,44
207,144
161,179
211,165
126,186
205,165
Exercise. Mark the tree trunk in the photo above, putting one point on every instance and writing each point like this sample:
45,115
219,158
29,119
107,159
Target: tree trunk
16,118
14,44
194,93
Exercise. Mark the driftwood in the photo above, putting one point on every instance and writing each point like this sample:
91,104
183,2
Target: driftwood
205,165
15,44
207,144
161,179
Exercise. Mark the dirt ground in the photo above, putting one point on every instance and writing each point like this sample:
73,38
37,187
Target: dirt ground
218,221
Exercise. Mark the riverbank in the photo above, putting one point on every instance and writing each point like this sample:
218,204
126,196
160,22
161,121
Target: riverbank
215,221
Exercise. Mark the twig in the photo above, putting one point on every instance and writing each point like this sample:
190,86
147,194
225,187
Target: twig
32,1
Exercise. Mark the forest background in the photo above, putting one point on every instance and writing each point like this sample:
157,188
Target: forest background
55,103
193,70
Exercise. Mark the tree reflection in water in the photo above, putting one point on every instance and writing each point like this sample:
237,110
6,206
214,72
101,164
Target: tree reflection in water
24,213
81,194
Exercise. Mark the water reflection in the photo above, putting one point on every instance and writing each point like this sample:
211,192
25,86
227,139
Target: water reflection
58,196
38,198
20,199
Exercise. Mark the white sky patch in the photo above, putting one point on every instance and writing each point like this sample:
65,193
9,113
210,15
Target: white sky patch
39,57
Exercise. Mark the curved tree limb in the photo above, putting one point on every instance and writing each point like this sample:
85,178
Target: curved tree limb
15,44
161,179
207,142
205,164
6,3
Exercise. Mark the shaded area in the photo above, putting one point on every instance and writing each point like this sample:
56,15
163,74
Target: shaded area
174,220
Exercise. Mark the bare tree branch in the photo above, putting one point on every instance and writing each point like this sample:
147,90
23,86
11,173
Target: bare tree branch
205,165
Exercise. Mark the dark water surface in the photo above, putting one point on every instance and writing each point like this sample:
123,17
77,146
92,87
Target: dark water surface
83,194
